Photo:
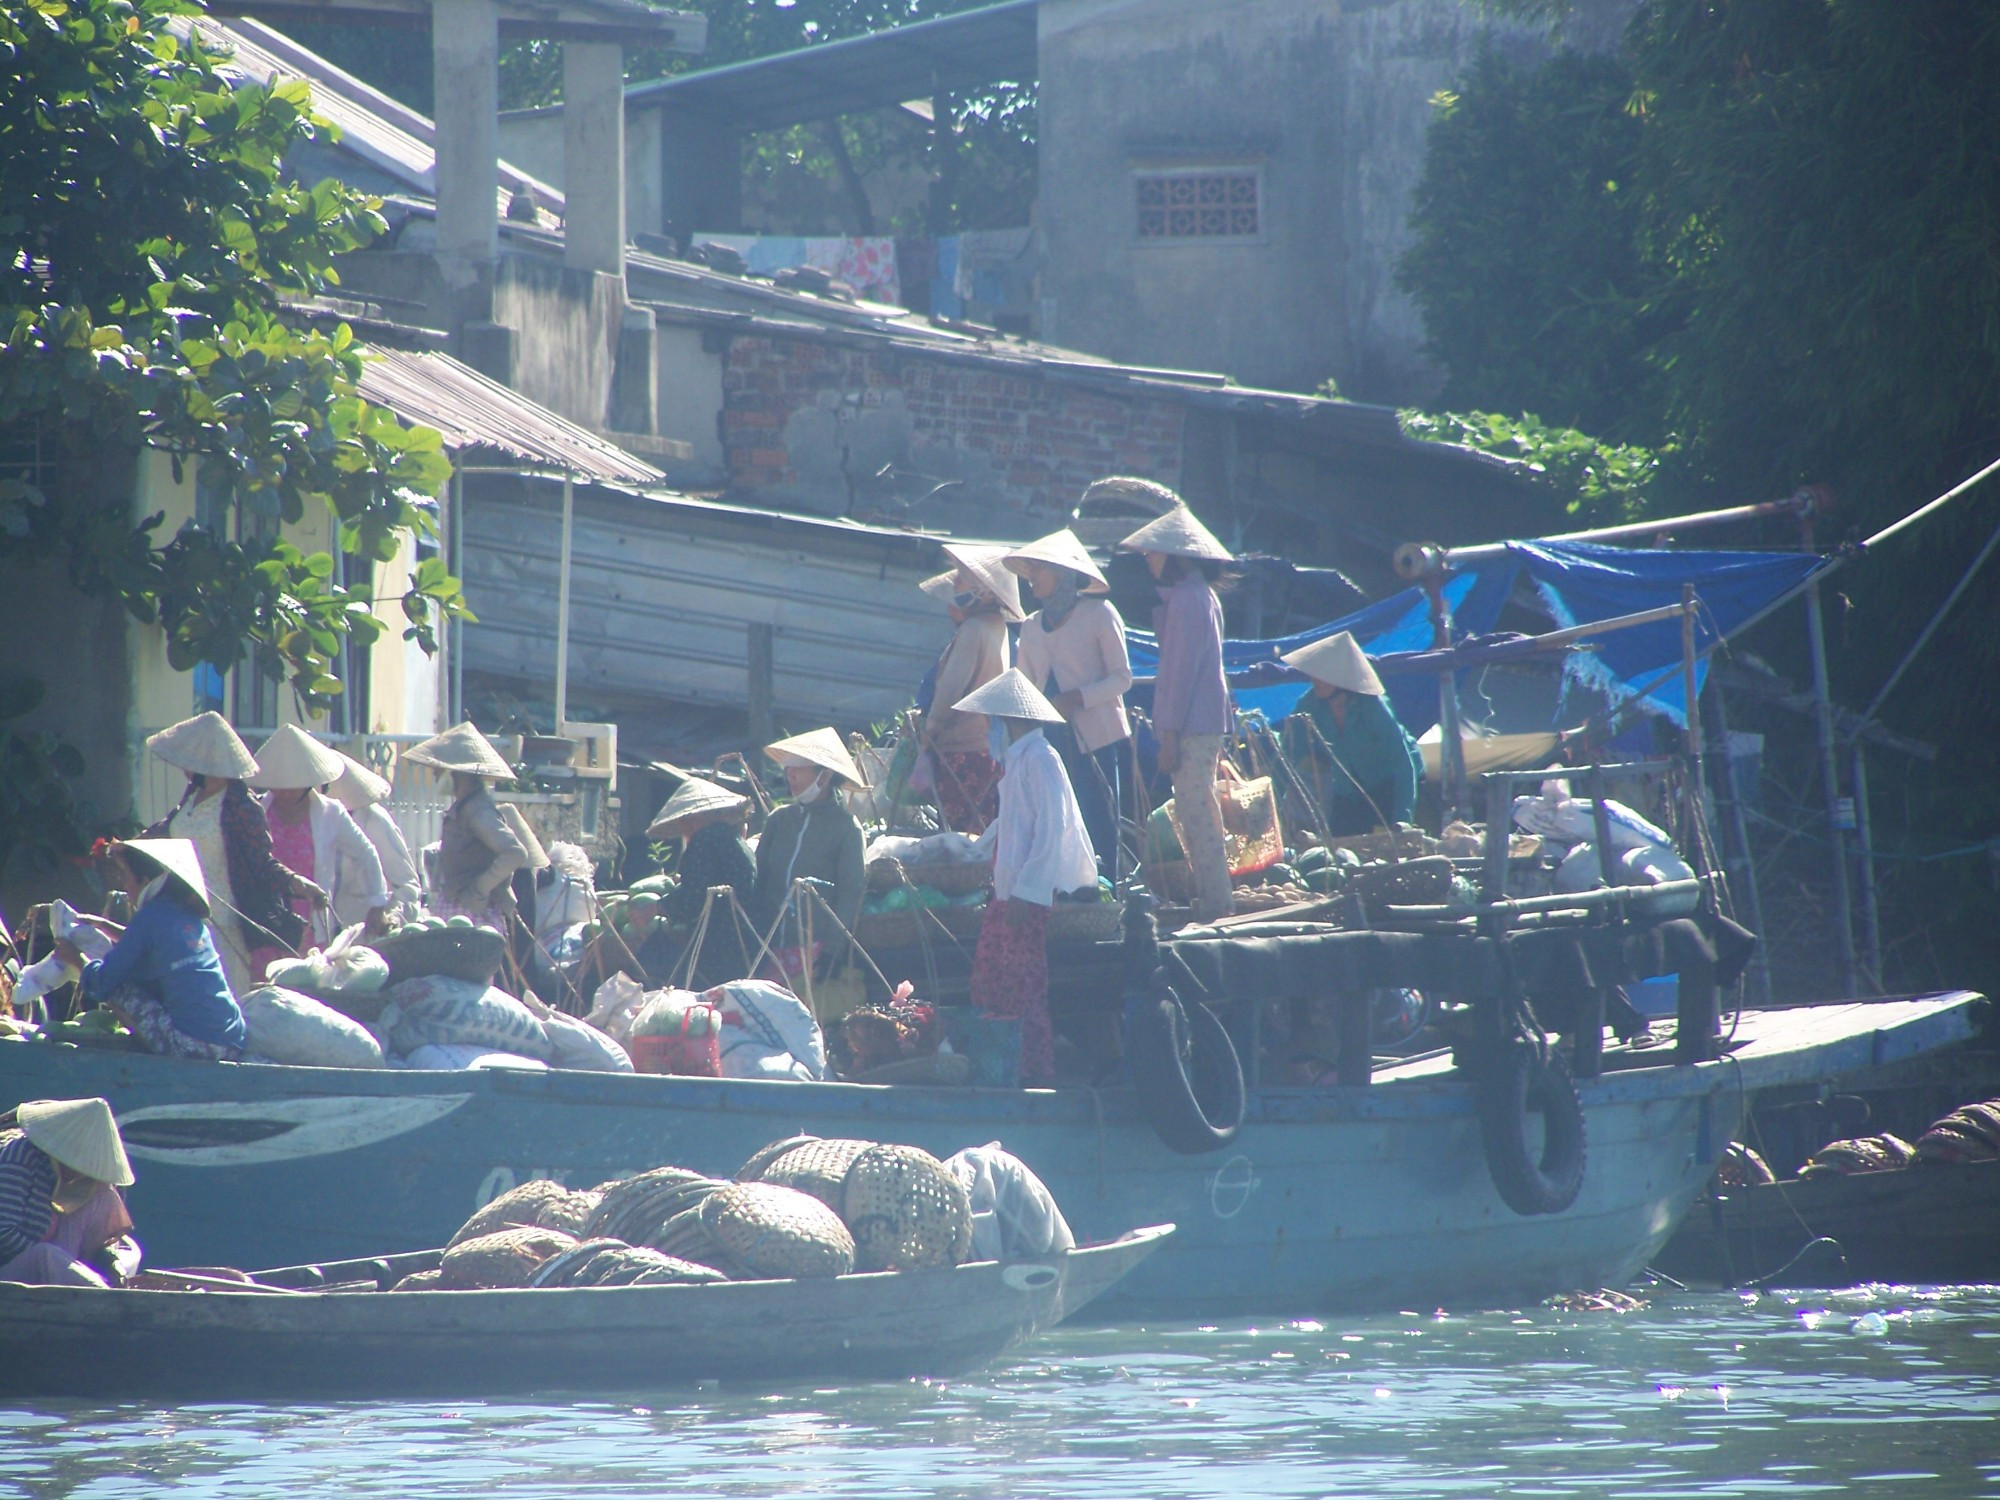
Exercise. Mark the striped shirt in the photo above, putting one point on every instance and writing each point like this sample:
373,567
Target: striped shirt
27,1195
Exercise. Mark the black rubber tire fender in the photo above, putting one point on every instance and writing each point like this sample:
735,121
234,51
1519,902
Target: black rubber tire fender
1187,1075
1516,1079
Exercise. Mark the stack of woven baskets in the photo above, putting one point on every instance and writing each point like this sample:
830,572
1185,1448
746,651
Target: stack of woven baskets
799,1208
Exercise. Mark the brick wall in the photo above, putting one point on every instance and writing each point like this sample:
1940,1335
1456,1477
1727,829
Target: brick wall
816,424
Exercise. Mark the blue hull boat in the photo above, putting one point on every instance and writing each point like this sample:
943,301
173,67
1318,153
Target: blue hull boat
1360,1197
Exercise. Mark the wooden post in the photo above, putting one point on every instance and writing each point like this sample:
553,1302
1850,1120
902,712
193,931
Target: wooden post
1739,828
1829,767
763,643
562,604
1864,861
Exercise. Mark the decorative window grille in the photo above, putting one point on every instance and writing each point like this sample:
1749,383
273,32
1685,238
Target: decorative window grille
1210,204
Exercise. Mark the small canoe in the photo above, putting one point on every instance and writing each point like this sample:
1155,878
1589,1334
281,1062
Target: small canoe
358,1341
1927,1224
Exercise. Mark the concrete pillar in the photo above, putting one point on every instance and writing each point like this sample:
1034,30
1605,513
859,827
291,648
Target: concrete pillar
465,48
594,157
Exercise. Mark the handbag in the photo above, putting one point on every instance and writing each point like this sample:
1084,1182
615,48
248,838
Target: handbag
923,775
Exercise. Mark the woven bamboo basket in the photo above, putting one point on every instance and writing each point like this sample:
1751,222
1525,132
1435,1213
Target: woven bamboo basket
1086,921
753,1169
1424,881
569,1213
506,1259
686,1237
518,1208
470,953
906,1212
419,1281
944,1069
911,926
772,1231
818,1167
634,1209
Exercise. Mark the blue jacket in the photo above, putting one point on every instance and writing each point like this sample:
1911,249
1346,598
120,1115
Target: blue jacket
166,952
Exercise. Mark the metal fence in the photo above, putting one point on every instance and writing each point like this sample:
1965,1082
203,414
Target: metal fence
417,801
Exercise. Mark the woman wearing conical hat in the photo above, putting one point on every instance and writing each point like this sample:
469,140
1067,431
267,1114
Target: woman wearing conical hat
1073,650
1376,765
1191,709
62,1221
813,836
163,977
479,845
248,889
983,598
1040,851
313,834
362,793
708,819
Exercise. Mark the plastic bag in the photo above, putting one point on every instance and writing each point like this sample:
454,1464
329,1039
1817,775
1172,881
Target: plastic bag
677,1033
614,1004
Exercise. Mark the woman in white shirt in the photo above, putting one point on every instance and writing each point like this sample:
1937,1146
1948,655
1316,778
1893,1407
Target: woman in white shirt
309,828
362,793
1073,650
1040,851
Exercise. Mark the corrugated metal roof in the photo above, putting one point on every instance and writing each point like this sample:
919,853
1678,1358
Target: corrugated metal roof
663,588
863,72
475,412
389,136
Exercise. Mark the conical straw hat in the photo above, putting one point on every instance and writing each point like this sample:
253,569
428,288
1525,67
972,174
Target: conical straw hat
1065,550
941,586
1339,661
819,747
1178,534
357,786
461,748
985,564
204,744
80,1134
291,758
515,819
179,858
691,799
1009,696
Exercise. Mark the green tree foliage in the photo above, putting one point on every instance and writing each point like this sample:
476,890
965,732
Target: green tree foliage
1599,483
1541,160
1796,281
148,243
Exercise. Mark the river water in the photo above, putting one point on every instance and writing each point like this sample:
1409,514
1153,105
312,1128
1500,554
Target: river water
1875,1391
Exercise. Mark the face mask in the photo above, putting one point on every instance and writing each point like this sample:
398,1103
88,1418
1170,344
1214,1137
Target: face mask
996,739
965,601
814,792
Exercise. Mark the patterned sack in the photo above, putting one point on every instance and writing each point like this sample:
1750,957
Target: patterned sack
767,1032
435,1009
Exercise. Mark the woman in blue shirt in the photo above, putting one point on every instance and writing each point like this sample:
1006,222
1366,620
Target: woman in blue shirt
163,977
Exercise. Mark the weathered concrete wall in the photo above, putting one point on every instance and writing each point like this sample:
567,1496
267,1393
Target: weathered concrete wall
1327,101
815,426
532,139
565,327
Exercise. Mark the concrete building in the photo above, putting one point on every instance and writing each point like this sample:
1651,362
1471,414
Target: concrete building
1222,186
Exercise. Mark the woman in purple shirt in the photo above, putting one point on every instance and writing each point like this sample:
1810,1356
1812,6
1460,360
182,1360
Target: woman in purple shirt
1191,708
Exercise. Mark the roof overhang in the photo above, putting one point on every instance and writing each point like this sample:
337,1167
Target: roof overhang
880,70
626,21
473,411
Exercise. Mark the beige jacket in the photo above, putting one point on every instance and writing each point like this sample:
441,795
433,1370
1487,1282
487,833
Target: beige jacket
477,852
978,653
1086,654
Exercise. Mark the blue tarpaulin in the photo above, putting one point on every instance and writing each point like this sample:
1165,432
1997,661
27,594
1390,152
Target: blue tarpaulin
1579,582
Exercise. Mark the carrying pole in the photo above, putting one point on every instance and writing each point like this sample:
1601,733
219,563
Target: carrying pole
1697,788
1829,766
1864,863
1452,742
562,605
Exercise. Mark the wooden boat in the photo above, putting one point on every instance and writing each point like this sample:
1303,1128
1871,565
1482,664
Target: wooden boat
1924,1224
1374,1196
278,1337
